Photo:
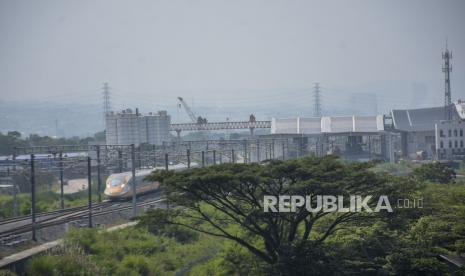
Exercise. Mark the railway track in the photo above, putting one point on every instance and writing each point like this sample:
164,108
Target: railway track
51,213
72,214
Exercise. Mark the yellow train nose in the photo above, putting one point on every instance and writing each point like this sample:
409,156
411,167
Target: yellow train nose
116,190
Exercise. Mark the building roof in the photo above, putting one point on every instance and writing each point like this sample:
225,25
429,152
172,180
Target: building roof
460,106
422,119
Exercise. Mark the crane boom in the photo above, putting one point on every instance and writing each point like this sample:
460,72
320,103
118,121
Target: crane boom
188,110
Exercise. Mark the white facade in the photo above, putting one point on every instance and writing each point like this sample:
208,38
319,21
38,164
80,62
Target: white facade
345,124
157,127
126,127
450,140
111,130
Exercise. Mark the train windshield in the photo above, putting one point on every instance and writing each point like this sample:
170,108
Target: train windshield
117,180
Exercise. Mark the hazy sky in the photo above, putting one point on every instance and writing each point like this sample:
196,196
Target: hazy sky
230,52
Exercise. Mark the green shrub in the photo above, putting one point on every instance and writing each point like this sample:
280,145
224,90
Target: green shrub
150,221
136,263
66,260
434,172
42,266
7,273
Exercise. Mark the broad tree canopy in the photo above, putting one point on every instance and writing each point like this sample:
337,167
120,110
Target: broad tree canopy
227,201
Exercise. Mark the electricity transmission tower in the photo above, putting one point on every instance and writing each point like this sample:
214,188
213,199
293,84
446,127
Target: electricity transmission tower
316,101
106,102
447,68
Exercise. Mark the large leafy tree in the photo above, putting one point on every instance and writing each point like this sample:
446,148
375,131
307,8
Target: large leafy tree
434,172
227,201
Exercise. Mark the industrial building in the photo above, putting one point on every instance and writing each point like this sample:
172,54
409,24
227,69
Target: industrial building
424,133
354,137
431,133
449,134
335,125
417,129
127,127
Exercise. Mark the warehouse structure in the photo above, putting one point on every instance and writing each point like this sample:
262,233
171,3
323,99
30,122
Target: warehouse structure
430,133
328,125
424,133
417,129
354,137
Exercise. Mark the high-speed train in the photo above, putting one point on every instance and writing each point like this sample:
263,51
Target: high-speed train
119,185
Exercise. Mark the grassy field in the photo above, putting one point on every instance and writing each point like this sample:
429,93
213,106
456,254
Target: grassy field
132,251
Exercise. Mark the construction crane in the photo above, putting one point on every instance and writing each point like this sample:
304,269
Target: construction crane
197,120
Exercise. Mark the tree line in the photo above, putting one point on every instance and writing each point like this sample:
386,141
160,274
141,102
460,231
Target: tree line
13,139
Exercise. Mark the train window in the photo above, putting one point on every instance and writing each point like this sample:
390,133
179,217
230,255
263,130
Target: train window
117,180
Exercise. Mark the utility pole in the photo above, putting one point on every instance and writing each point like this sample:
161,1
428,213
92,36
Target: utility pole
203,159
245,151
62,200
120,160
89,190
271,151
447,68
317,101
188,158
166,161
134,182
272,148
154,157
369,147
258,150
214,157
282,146
301,145
166,168
15,188
33,199
99,177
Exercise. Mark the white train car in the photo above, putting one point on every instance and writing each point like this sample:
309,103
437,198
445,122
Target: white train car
119,185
